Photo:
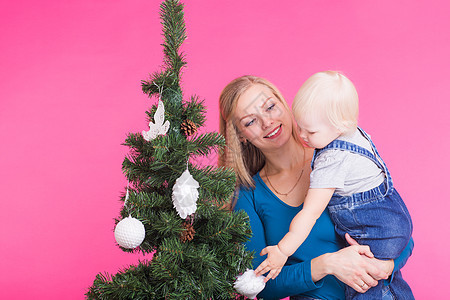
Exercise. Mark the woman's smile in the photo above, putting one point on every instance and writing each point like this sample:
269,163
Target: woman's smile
274,133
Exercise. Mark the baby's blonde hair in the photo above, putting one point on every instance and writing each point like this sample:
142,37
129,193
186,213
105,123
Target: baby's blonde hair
333,93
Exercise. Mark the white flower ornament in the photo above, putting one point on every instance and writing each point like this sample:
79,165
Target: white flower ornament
185,194
159,127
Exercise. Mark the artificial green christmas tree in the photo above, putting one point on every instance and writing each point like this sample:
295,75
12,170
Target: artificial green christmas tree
196,244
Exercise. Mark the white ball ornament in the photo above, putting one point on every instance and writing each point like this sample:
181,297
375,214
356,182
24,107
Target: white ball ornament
129,233
248,284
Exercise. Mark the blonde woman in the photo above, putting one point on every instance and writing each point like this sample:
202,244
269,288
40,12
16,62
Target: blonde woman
273,168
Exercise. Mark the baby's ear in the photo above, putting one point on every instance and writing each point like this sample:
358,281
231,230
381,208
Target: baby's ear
341,130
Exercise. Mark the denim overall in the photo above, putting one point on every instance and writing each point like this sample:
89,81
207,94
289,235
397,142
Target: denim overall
377,218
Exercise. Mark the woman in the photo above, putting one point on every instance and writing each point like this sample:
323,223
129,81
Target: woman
272,168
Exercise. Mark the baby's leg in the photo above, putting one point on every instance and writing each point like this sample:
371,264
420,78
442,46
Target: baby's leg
383,224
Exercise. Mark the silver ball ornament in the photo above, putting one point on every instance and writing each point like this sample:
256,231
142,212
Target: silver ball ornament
129,233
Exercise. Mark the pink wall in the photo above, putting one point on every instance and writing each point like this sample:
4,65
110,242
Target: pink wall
70,91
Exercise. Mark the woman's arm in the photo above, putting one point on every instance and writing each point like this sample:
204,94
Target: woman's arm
293,279
394,265
400,261
348,265
315,203
352,265
388,266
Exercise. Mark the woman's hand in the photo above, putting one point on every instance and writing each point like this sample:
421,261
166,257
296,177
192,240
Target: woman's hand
351,265
384,265
356,266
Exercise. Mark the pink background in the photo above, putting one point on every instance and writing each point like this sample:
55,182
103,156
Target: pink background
70,91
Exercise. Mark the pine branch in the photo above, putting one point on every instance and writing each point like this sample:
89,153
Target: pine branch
216,183
134,282
158,82
174,31
195,111
226,228
206,143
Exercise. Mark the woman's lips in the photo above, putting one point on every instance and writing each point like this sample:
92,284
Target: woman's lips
274,133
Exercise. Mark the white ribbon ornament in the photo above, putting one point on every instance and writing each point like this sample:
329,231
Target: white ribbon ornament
185,194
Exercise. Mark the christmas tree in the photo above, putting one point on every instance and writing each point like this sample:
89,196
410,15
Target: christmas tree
196,243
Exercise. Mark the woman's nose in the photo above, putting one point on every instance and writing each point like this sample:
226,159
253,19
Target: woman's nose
266,121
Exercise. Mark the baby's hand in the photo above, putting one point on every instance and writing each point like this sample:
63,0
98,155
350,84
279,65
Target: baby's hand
274,262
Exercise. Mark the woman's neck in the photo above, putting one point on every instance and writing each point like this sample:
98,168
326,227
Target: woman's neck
286,172
287,158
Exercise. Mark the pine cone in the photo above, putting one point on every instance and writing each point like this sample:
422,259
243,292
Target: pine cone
188,233
188,127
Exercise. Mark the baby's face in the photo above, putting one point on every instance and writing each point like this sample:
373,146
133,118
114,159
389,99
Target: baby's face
316,130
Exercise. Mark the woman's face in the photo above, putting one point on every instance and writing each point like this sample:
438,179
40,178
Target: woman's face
262,119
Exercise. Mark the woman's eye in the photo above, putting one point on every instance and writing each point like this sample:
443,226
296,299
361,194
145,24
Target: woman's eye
249,123
271,106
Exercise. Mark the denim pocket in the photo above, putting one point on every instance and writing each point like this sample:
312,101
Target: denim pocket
347,222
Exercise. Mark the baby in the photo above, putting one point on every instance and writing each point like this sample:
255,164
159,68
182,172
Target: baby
349,177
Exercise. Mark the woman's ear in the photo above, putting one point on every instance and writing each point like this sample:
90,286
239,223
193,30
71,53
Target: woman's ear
243,140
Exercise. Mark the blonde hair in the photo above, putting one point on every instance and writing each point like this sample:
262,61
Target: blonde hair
333,93
244,158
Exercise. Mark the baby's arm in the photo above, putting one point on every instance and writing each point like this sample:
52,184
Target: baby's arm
315,203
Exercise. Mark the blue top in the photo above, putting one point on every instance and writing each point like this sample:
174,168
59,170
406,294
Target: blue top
270,219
